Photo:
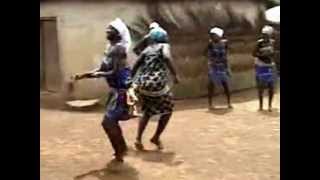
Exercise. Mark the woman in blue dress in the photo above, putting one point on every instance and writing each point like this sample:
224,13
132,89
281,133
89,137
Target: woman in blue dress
114,68
219,72
264,64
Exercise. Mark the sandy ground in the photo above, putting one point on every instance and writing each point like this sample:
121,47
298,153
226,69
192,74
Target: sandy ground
241,144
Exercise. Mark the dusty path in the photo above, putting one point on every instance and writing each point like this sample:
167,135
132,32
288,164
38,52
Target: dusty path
241,144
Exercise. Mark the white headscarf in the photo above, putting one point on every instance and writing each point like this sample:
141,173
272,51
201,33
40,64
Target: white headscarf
153,25
267,30
123,30
218,31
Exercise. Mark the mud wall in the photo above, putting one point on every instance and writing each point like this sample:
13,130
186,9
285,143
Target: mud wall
81,41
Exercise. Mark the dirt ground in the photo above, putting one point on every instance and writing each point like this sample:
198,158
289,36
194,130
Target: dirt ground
240,144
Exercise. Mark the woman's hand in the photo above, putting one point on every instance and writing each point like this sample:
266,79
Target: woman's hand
82,76
77,77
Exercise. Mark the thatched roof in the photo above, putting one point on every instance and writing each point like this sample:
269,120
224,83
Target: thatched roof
150,1
190,21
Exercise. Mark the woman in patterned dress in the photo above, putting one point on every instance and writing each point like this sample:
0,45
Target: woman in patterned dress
151,81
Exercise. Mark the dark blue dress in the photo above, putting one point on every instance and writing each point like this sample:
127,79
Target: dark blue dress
218,66
119,82
265,74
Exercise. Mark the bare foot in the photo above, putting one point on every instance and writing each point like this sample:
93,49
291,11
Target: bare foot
119,158
157,143
139,146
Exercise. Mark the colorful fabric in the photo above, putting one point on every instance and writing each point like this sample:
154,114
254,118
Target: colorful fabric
219,74
156,105
120,79
116,106
265,75
152,81
153,75
158,35
218,68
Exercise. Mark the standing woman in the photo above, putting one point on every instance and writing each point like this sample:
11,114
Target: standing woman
219,72
264,65
115,70
151,81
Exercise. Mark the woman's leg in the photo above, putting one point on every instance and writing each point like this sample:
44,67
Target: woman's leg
260,89
227,93
260,95
141,127
114,133
210,93
162,124
271,94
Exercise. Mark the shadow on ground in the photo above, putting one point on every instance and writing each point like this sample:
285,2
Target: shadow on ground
113,170
157,156
275,112
220,100
220,110
52,102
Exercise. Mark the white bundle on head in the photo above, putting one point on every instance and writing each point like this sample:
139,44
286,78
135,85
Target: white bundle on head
123,30
267,30
218,31
154,25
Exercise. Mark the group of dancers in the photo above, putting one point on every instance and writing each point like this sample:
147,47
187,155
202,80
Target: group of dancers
149,80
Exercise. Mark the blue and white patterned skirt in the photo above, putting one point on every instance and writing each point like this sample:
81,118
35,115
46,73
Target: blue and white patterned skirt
265,75
218,74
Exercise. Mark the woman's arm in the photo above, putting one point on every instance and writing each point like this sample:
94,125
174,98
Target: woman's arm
172,70
137,64
168,59
95,73
141,45
85,75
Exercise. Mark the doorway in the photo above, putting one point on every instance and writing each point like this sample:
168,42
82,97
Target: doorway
50,70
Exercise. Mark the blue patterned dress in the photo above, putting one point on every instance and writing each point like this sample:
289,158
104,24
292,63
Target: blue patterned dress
119,82
265,72
218,65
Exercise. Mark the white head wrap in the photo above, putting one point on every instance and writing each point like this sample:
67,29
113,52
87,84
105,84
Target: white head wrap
217,31
123,30
153,25
267,30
